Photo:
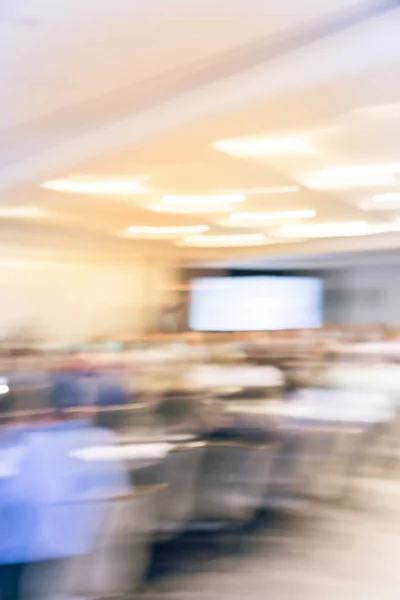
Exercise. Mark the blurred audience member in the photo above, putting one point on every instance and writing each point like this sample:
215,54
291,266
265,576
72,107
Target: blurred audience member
56,483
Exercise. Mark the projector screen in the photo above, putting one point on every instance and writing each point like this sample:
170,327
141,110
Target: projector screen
255,303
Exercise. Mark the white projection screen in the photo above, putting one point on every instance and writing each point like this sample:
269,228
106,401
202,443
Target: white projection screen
255,303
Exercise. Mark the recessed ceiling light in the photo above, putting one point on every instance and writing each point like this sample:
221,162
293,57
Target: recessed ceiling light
273,189
386,198
202,200
272,216
322,230
380,109
339,229
362,170
265,147
193,209
348,177
381,202
21,212
144,231
315,181
255,239
97,186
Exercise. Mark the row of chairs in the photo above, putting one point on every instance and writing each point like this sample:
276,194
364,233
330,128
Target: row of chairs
210,480
215,484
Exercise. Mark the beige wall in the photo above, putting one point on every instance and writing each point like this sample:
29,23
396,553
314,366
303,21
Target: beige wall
70,302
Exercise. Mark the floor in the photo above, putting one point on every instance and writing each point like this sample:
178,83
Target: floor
347,552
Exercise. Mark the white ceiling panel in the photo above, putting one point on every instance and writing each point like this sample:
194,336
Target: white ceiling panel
85,92
70,51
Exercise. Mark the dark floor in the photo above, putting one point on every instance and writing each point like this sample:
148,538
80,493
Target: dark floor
347,552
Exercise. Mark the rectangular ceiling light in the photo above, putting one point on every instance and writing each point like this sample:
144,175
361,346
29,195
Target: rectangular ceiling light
203,200
253,239
319,230
21,212
386,198
97,186
380,110
339,229
273,216
342,179
264,191
175,230
362,170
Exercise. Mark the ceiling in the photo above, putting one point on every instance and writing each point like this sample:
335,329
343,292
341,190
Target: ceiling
146,90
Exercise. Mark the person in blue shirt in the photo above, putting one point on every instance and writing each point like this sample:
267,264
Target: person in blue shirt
15,510
57,479
67,390
76,385
105,389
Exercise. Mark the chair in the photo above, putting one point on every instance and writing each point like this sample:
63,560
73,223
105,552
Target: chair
324,440
121,555
234,479
176,502
315,462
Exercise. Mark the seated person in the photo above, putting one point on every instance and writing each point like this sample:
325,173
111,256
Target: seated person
56,482
79,385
